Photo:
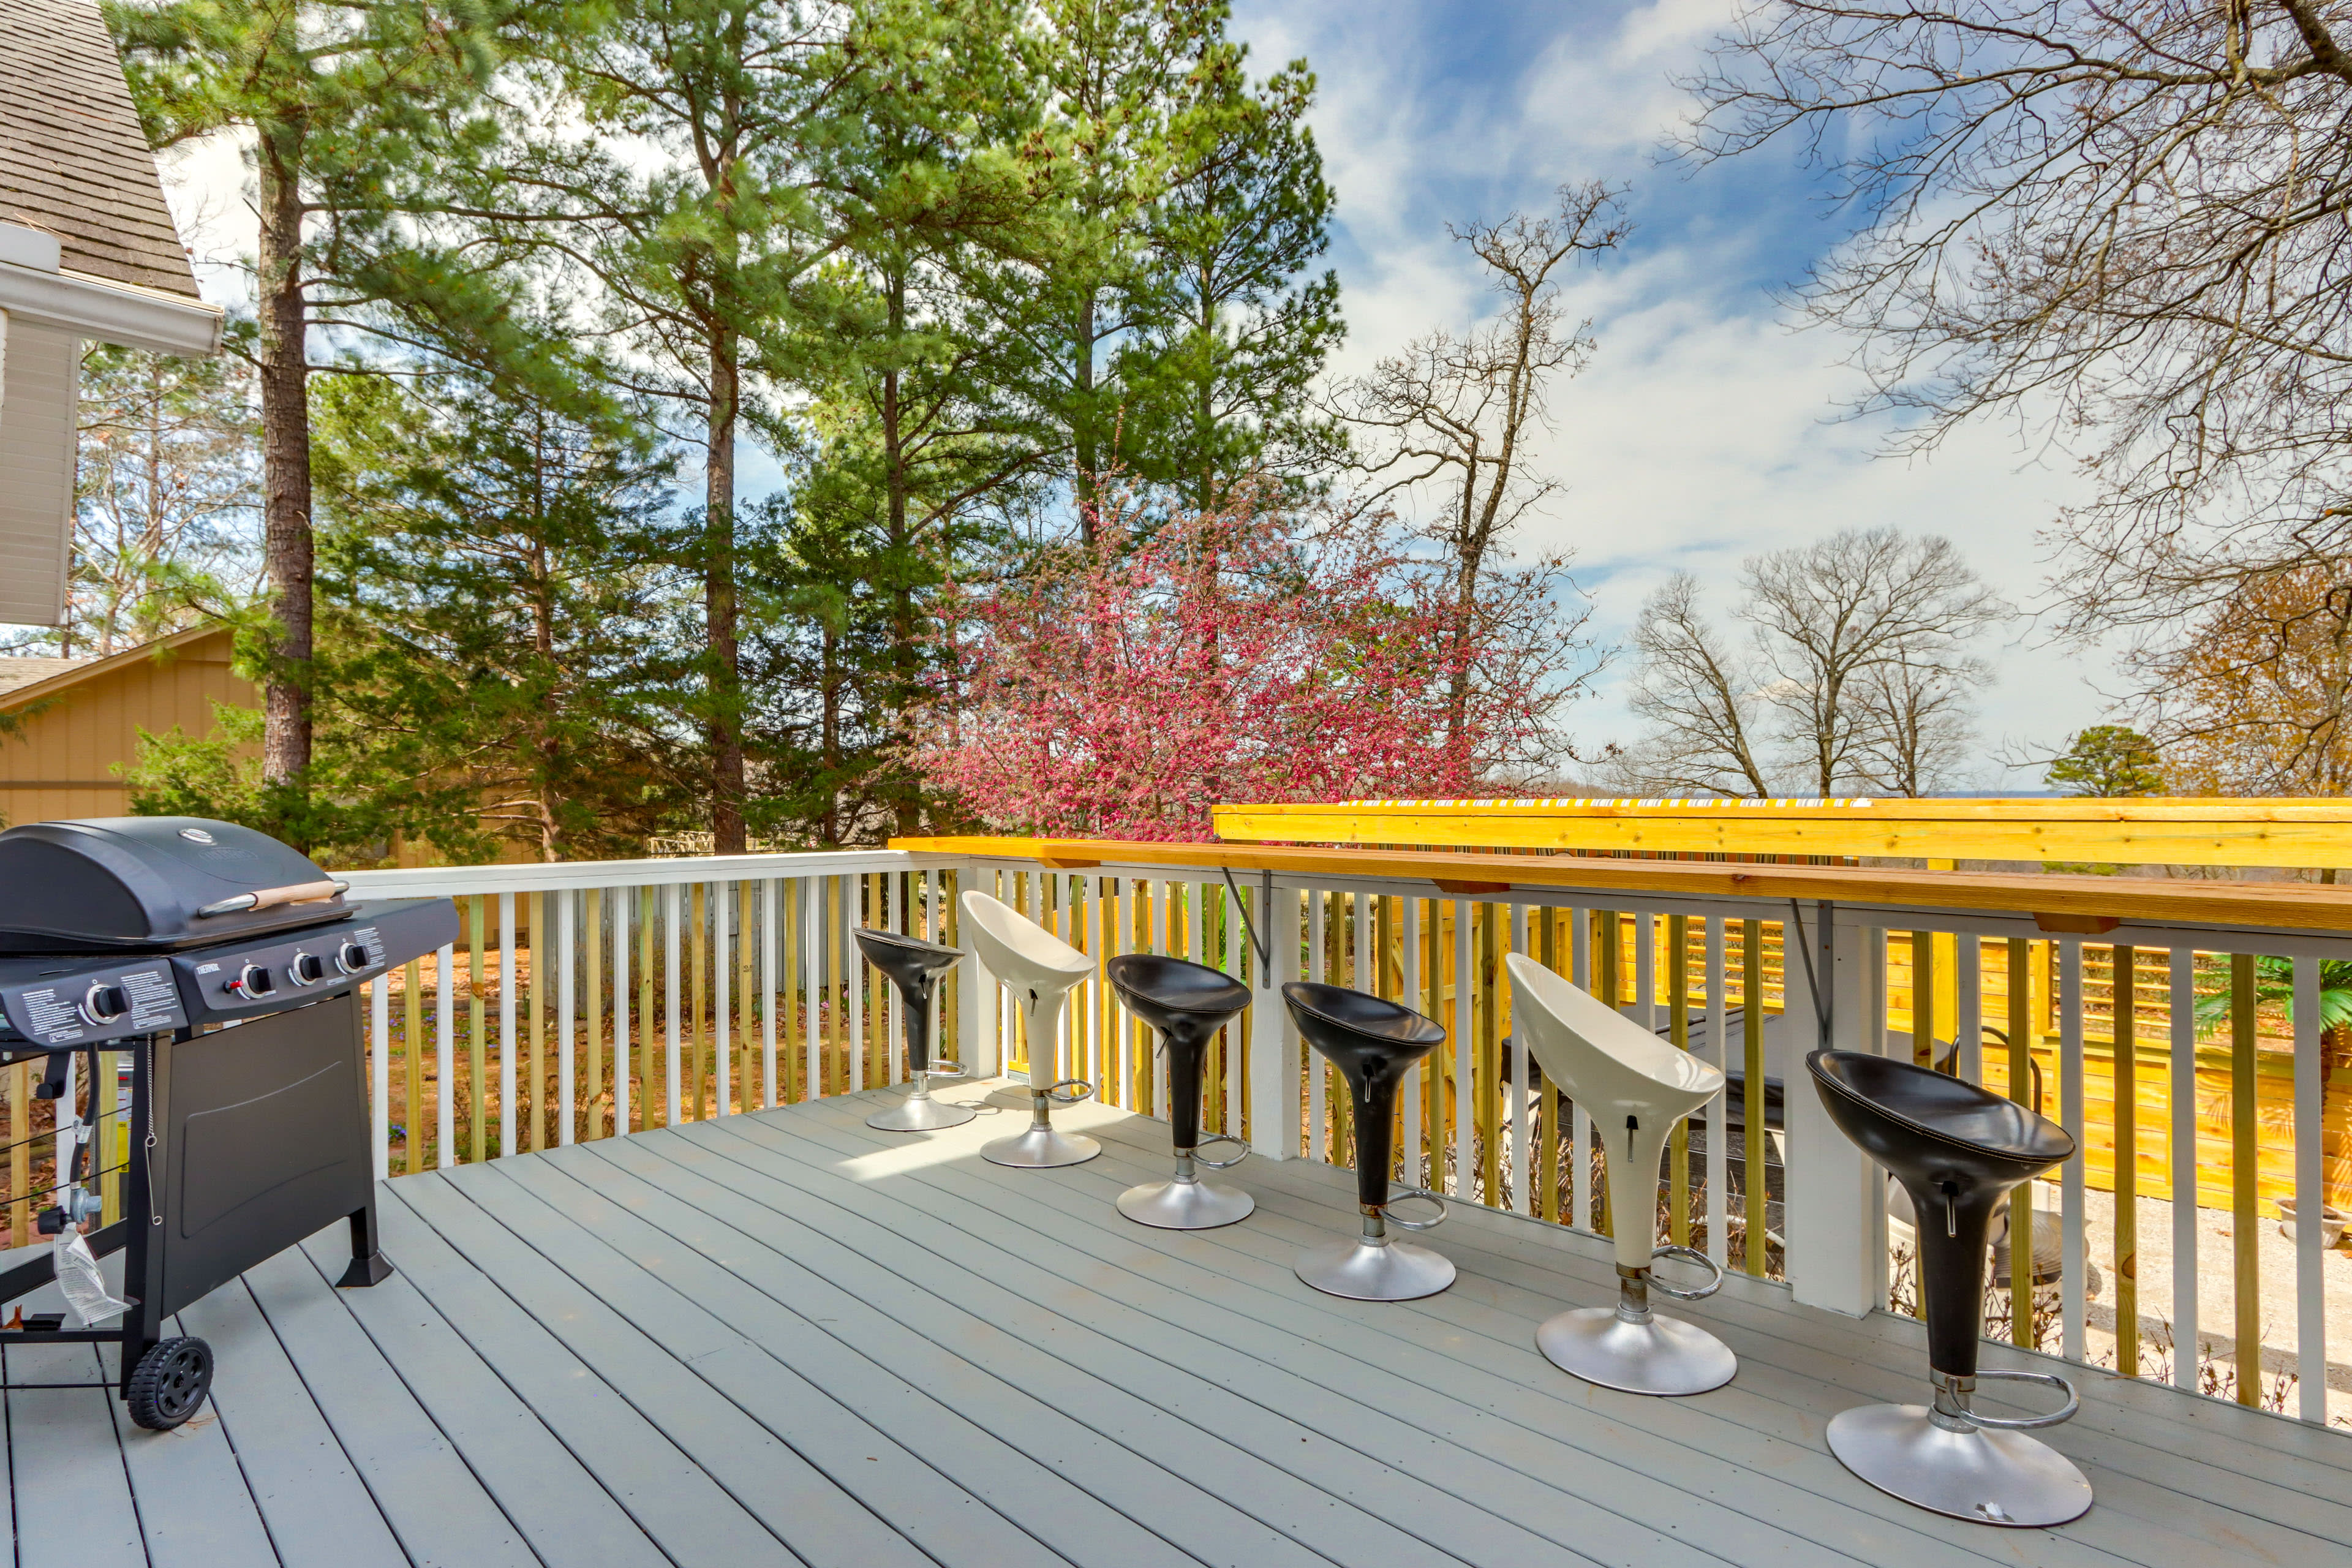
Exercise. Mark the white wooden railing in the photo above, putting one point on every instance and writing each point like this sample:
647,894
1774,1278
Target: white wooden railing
608,997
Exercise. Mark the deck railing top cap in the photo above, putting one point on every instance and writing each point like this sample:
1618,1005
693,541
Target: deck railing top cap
2064,903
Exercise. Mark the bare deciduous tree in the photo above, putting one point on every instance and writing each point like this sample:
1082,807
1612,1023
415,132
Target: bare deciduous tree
1854,671
1699,696
1454,413
2125,221
1917,722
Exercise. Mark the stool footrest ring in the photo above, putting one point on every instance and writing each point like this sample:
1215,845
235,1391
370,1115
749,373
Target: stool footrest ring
1688,1255
1240,1143
947,1069
1085,1091
1389,1213
2028,1423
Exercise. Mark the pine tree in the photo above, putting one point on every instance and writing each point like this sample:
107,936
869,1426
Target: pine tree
917,448
497,571
1113,77
689,206
1219,379
358,113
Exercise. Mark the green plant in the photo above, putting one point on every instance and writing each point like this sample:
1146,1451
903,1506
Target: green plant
2274,986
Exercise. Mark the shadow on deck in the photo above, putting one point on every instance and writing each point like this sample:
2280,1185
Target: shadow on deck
784,1338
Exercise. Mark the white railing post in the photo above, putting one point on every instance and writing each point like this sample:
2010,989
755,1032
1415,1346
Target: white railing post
507,1117
1273,1042
2181,1002
567,904
1834,1204
2310,1190
673,1071
445,1054
2072,1295
622,906
771,935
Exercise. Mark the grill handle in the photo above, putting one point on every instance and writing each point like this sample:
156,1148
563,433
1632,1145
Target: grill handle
270,897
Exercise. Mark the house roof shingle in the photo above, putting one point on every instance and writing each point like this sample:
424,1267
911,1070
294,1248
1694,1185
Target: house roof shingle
73,161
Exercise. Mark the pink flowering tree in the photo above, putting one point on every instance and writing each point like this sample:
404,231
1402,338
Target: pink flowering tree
1242,655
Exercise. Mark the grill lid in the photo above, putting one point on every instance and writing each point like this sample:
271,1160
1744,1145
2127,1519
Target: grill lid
109,883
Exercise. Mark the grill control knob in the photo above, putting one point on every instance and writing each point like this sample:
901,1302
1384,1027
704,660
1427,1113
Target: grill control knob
253,981
103,1003
351,957
306,969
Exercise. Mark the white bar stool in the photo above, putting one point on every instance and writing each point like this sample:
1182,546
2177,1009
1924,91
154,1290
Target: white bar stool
1636,1088
1041,968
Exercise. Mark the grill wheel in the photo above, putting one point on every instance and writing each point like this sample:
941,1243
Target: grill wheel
170,1382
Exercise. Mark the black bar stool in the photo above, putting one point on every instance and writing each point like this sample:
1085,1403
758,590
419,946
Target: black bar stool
915,967
1958,1151
1187,1004
1374,1043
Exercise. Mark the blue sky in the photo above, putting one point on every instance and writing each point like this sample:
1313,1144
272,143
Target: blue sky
1706,428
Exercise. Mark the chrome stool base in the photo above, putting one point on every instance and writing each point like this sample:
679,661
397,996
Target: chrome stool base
1040,1148
1664,1356
919,1112
1185,1206
1364,1270
1990,1477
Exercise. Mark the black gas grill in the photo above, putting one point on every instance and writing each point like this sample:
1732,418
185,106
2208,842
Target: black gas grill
226,965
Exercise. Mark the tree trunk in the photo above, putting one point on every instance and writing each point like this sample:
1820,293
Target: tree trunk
906,801
719,599
1088,449
285,458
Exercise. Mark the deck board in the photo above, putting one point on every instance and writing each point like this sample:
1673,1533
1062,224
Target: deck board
1347,1508
786,1338
1792,1389
1602,1446
72,1494
435,1506
195,1508
550,1491
317,1510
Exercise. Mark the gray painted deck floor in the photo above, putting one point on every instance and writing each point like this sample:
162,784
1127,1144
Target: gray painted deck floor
784,1338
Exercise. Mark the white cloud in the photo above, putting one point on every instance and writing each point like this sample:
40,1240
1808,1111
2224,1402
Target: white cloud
1705,430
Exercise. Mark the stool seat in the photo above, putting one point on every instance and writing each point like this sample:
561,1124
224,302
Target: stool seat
1373,1042
907,960
1175,993
914,967
1042,969
1637,1088
1958,1152
1188,1003
1923,1125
